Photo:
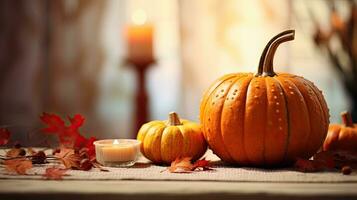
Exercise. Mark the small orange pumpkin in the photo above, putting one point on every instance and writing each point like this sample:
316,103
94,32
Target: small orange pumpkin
264,119
342,136
164,141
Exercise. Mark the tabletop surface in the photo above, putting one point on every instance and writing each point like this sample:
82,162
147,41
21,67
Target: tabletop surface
102,190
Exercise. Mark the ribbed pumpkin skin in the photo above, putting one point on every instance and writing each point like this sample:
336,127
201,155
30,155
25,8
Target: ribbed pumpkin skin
342,136
162,143
263,120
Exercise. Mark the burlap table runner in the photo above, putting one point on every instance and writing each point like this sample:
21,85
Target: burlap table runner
146,171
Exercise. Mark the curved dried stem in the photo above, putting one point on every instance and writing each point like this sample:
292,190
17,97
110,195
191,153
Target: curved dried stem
268,63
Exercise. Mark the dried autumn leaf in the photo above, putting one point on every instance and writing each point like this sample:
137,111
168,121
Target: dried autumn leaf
31,151
342,158
15,152
69,158
181,165
304,165
327,160
202,164
184,165
324,160
54,173
19,165
4,136
99,166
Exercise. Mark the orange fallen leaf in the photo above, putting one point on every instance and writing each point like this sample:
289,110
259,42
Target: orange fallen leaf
19,165
54,173
68,158
184,165
181,165
15,152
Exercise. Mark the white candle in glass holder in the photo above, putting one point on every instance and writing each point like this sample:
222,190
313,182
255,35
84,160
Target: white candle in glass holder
123,151
118,152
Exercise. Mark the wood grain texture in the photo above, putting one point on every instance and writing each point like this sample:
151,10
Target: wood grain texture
108,190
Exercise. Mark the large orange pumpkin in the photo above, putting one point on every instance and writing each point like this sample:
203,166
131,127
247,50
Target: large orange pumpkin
342,136
264,119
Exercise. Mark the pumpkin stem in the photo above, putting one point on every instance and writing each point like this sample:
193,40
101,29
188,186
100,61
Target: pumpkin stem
265,67
347,119
174,119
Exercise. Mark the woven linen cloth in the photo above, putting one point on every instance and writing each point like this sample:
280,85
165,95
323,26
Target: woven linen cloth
143,170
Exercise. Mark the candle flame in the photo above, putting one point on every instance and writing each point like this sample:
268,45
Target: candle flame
139,17
116,142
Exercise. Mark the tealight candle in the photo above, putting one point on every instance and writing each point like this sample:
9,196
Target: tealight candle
118,152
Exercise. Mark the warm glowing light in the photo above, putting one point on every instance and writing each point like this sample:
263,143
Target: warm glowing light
116,142
139,17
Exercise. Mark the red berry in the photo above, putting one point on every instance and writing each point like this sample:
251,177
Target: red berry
346,170
85,164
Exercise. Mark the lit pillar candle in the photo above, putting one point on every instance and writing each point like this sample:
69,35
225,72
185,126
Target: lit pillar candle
140,38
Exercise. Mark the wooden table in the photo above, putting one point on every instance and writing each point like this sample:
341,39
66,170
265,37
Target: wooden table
196,190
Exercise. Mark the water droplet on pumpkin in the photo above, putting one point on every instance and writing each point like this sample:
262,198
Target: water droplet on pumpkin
275,97
281,93
290,87
279,119
277,110
272,90
255,96
291,92
280,128
277,103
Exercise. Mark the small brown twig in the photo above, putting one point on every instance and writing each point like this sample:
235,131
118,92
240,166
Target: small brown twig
27,157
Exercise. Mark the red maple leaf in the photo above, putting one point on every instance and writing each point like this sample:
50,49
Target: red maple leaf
202,164
90,147
54,173
77,121
69,136
4,136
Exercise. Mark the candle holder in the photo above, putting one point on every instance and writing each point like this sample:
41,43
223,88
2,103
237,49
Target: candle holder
117,152
140,66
